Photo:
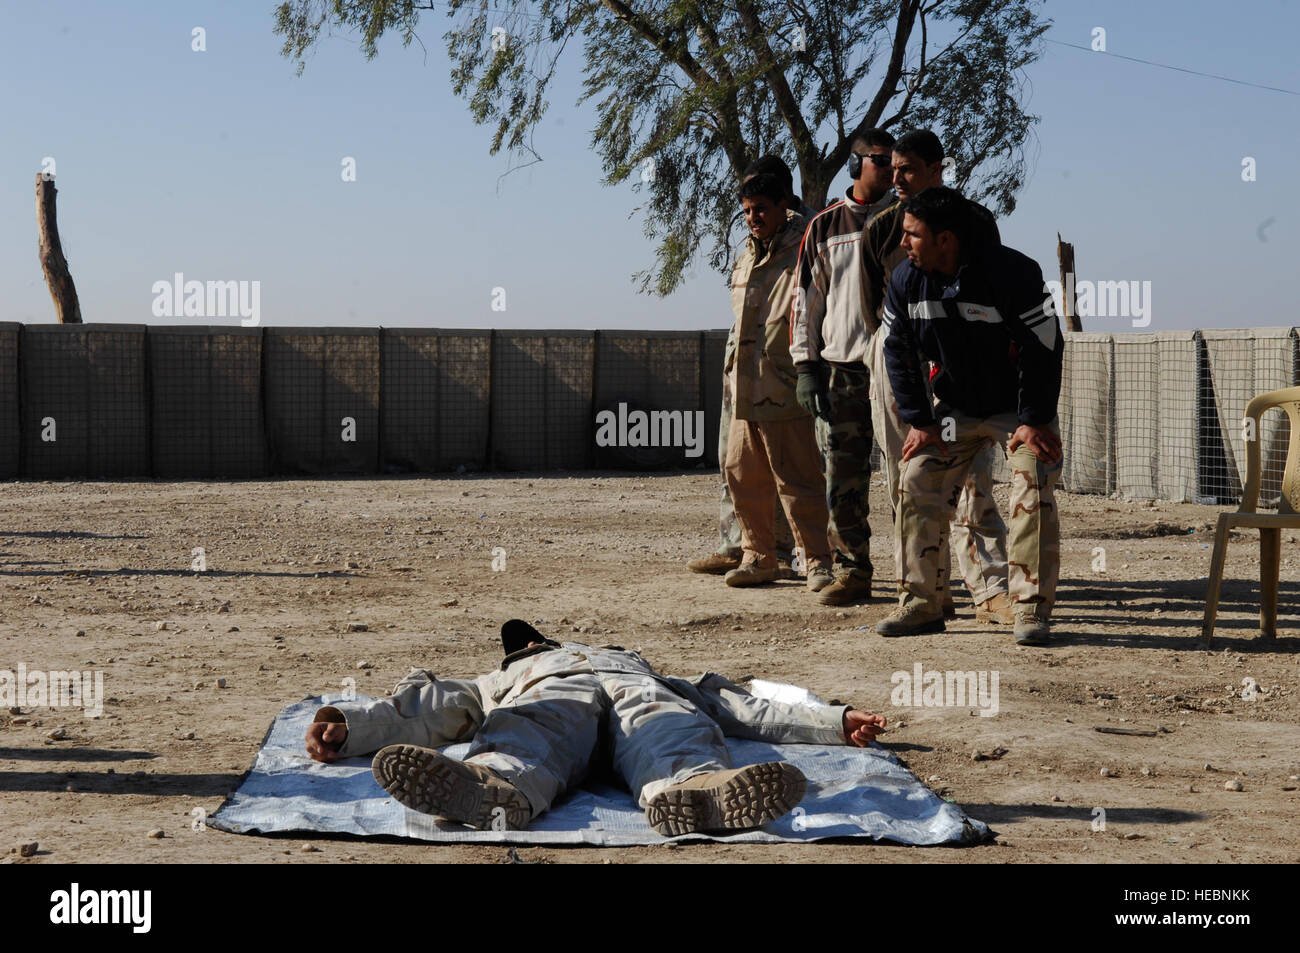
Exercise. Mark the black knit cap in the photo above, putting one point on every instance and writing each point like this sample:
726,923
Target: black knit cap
516,634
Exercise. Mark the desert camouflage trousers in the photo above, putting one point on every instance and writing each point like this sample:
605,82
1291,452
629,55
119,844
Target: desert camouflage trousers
978,535
929,486
729,543
545,740
845,442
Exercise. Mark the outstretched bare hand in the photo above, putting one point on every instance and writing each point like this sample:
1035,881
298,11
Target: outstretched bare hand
324,738
861,727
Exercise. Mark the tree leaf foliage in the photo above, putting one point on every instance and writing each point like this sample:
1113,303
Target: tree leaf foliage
686,93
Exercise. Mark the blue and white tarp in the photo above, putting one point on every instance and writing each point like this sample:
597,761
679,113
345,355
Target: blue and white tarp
852,792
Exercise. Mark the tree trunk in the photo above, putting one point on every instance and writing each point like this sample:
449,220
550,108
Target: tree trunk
1065,256
57,276
815,197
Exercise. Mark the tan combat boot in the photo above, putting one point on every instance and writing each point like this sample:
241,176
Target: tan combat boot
912,618
996,609
715,564
428,781
752,574
1031,626
732,800
820,576
848,587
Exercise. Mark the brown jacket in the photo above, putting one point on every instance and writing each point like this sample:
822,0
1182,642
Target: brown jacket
760,373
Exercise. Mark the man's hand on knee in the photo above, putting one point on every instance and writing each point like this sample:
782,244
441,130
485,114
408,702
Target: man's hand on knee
1045,444
861,727
324,738
921,437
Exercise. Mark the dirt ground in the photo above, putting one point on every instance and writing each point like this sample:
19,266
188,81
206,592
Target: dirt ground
97,576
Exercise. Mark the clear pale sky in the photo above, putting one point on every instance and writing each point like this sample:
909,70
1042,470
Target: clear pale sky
224,165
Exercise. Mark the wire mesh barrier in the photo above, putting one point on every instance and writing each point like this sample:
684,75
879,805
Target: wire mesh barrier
1155,425
648,399
10,430
206,402
1238,366
1084,412
713,358
84,401
541,400
1142,416
322,399
435,398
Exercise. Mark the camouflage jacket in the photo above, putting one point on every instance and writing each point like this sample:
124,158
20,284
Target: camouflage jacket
430,711
760,372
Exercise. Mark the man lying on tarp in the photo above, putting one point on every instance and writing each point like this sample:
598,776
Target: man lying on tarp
538,721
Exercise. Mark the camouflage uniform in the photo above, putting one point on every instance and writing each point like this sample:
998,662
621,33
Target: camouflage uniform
845,442
830,333
773,450
728,525
978,534
539,721
929,485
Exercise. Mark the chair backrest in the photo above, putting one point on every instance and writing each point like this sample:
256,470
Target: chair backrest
1288,399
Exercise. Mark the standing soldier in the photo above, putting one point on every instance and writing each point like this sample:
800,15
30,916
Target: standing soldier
772,452
830,333
728,554
978,533
980,312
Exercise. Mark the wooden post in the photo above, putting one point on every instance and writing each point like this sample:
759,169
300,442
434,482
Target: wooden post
57,276
1065,255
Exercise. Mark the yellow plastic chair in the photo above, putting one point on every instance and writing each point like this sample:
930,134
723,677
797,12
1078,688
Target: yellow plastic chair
1270,525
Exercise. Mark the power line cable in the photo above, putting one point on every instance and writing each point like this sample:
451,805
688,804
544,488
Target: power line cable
1179,69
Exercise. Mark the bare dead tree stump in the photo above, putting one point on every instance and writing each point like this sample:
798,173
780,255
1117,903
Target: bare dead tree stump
57,275
1065,256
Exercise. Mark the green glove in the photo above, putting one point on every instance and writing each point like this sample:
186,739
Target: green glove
810,394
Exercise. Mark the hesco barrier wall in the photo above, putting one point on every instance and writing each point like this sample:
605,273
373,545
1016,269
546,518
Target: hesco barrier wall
1145,416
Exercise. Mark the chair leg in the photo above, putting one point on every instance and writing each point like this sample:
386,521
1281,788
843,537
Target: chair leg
1270,563
1215,581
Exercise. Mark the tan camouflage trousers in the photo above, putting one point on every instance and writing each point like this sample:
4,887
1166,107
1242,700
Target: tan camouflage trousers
977,533
545,740
778,458
929,487
728,526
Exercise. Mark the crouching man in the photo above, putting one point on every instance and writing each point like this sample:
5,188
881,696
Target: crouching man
979,313
535,724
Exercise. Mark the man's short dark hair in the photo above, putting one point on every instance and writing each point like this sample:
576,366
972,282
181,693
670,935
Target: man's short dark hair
921,143
942,209
772,165
767,185
872,137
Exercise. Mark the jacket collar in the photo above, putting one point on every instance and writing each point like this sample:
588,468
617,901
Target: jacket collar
789,233
869,209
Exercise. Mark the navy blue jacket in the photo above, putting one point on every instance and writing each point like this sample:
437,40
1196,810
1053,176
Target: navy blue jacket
993,333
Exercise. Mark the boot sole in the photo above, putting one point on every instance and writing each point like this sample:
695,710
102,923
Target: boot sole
1034,638
993,618
925,628
754,796
429,782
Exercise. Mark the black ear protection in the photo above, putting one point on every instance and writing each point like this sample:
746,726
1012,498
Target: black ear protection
855,165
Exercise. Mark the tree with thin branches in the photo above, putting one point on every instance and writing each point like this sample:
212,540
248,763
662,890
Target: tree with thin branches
688,92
